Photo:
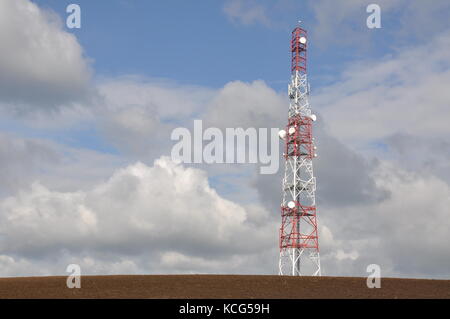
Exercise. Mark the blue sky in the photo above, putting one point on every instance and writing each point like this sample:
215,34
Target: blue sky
187,41
194,42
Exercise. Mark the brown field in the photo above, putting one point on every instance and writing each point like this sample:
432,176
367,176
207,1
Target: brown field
221,286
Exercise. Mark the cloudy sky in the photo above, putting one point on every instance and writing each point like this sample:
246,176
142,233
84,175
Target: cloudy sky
86,116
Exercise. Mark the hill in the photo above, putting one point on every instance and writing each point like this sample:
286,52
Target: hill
220,286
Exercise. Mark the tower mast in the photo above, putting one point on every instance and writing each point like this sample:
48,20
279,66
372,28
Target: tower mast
299,239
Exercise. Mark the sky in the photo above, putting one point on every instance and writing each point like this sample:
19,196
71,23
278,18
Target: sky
86,117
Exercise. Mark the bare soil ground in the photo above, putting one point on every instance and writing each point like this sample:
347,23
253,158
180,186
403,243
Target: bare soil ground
221,286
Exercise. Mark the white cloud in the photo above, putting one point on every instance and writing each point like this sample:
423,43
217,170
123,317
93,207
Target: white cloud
20,159
163,97
140,115
167,219
340,255
240,104
420,154
40,64
404,93
137,115
139,211
60,167
406,233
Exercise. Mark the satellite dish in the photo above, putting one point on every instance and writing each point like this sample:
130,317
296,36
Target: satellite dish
291,130
313,117
291,204
282,134
315,154
315,147
302,40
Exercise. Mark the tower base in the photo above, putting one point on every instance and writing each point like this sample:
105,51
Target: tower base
292,258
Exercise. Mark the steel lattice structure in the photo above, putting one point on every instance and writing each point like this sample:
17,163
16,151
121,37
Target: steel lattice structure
299,240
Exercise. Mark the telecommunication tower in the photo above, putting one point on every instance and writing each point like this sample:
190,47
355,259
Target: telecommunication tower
299,239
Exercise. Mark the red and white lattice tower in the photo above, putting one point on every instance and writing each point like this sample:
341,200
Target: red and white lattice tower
299,240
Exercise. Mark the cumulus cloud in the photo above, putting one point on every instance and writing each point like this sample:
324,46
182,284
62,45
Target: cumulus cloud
376,99
61,167
167,219
137,115
240,104
406,233
19,160
41,65
140,210
237,104
421,154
